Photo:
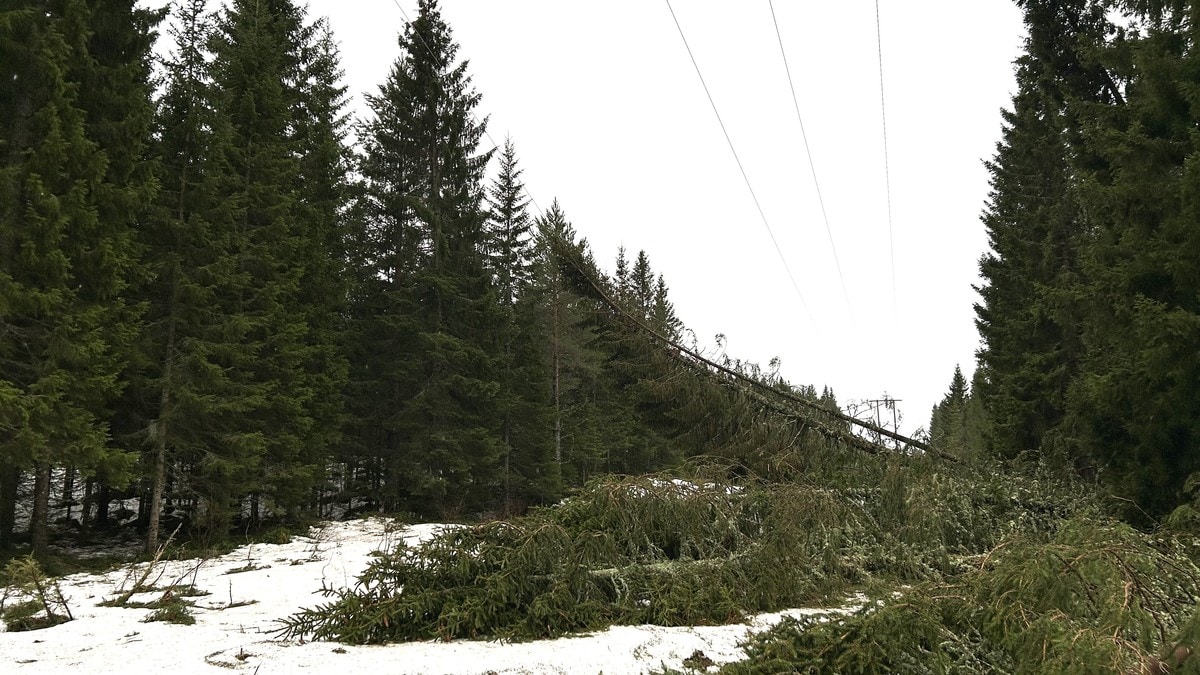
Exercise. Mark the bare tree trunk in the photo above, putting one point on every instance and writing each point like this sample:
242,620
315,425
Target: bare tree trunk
156,491
39,527
10,481
85,515
103,497
160,447
68,491
557,384
507,466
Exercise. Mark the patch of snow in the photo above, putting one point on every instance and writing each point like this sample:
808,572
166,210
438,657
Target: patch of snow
281,579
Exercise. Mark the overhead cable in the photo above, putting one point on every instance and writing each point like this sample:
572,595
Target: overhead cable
811,165
887,174
745,177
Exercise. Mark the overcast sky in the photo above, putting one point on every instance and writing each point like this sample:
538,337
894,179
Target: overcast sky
608,115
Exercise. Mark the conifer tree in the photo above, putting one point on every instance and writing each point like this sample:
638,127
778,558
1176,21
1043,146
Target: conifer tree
510,242
256,71
66,209
182,383
662,315
574,366
953,426
321,125
623,289
518,364
427,317
1137,400
201,392
641,282
1029,315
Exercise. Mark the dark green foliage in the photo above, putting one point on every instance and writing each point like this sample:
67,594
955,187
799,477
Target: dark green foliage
425,317
1095,597
958,421
527,456
1030,337
670,552
1139,392
39,602
321,128
620,552
74,119
242,375
180,391
256,49
1089,312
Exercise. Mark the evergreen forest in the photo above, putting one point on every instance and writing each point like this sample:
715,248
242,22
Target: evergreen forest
215,303
224,298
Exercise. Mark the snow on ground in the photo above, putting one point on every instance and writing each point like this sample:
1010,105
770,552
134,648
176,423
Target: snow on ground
234,624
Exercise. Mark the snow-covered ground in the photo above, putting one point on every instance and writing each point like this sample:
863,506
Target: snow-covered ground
234,624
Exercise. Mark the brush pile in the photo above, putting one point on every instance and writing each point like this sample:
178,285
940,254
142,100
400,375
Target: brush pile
702,551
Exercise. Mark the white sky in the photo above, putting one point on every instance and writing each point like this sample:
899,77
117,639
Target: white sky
608,115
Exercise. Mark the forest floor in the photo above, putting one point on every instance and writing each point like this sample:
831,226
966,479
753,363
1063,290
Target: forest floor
247,590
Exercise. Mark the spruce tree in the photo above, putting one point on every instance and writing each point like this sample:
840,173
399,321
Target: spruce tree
520,406
622,284
321,126
509,224
953,426
187,390
65,240
256,72
572,364
662,315
426,317
1137,401
641,283
1029,316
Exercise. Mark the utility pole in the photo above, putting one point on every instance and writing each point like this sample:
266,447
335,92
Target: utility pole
877,404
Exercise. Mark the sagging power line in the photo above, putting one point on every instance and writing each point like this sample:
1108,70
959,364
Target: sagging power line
811,165
737,159
887,172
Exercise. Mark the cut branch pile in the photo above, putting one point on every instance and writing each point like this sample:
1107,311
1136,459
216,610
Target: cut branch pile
652,550
1096,598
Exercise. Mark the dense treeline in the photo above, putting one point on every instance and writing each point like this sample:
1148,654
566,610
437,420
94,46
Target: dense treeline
1090,309
212,302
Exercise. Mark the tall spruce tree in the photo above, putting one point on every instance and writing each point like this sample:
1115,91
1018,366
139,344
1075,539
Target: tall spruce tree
1089,316
257,70
1137,405
526,472
188,389
572,364
321,125
427,319
1029,317
71,185
180,250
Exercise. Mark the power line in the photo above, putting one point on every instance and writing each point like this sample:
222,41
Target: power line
745,177
811,165
887,173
